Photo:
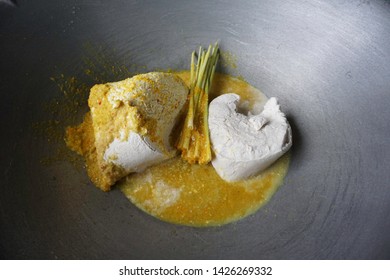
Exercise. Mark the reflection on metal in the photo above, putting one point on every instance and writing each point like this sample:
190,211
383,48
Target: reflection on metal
13,3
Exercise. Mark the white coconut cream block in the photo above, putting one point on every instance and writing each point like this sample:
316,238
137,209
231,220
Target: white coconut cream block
245,144
133,121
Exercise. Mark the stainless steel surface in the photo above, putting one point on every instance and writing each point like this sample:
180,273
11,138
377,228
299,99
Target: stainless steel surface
327,61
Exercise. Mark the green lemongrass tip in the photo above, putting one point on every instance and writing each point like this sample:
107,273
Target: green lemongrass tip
192,73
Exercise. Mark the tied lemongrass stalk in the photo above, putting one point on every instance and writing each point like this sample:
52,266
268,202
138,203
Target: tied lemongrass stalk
194,142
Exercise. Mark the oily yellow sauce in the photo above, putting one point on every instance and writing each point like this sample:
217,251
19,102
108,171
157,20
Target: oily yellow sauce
195,195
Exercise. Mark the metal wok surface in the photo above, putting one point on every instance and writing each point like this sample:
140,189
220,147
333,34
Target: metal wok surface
327,61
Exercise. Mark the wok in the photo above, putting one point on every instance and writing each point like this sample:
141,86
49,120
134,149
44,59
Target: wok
328,62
